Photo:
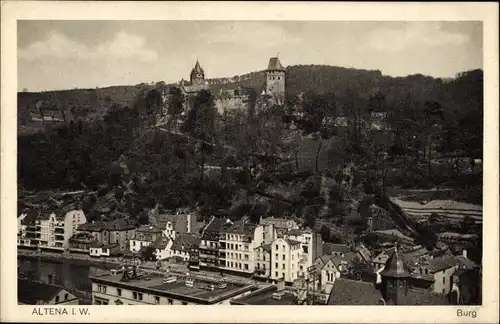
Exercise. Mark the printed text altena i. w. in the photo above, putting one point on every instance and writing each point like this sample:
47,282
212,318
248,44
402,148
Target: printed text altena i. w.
59,311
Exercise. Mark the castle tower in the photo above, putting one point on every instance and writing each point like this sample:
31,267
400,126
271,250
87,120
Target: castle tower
197,74
395,278
275,80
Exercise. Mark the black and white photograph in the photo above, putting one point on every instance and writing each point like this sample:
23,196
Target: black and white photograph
250,162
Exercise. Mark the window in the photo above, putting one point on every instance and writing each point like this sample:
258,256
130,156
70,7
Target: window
157,300
277,256
284,258
258,266
246,266
246,257
184,303
66,296
170,301
140,296
57,299
276,274
134,295
444,280
283,266
118,291
277,247
276,265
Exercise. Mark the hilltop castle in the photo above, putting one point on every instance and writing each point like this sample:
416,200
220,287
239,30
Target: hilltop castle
237,98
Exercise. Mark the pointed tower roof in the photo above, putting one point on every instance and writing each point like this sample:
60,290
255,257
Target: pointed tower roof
395,267
275,64
197,68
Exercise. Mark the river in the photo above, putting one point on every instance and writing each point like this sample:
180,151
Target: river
64,273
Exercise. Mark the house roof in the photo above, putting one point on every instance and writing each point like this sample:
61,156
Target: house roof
161,242
348,257
441,263
240,227
163,219
329,248
292,242
352,292
30,292
185,242
466,263
275,64
216,225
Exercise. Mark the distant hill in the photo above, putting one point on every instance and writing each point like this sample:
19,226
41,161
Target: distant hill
457,94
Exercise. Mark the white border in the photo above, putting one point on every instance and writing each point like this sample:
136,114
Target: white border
486,12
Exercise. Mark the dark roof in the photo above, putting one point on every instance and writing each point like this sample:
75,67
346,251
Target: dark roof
119,224
197,68
441,263
185,242
31,292
275,64
465,262
266,247
161,242
348,257
352,292
216,225
292,242
240,227
163,219
329,248
395,267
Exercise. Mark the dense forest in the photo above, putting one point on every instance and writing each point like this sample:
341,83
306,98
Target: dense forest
139,166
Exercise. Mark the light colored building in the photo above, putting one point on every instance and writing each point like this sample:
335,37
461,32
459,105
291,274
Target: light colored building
181,222
236,251
285,259
150,289
105,250
311,246
208,253
53,230
183,245
144,236
162,247
263,261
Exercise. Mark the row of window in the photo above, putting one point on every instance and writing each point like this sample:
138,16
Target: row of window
238,256
231,246
238,265
274,78
66,297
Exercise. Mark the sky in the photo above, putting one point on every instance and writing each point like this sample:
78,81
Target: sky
64,54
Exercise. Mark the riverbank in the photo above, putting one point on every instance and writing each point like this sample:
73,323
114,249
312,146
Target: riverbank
80,260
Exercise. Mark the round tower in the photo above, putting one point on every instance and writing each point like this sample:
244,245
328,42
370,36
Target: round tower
395,277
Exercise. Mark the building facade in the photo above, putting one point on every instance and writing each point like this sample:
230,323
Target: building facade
285,259
275,80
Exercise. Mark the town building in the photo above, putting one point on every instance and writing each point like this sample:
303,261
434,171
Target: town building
144,236
162,247
208,254
180,222
236,247
82,242
31,292
393,289
105,250
183,245
118,231
52,230
133,288
311,244
286,257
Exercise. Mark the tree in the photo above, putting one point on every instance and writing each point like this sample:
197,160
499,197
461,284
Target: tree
200,123
175,104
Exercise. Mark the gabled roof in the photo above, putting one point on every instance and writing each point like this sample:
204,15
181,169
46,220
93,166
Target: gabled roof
30,292
161,242
352,292
185,242
466,263
275,65
442,263
241,227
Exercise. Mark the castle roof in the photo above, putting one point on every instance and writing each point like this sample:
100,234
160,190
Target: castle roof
395,267
275,64
197,68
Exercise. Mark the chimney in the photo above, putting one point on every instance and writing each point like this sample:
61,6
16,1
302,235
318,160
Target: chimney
464,253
